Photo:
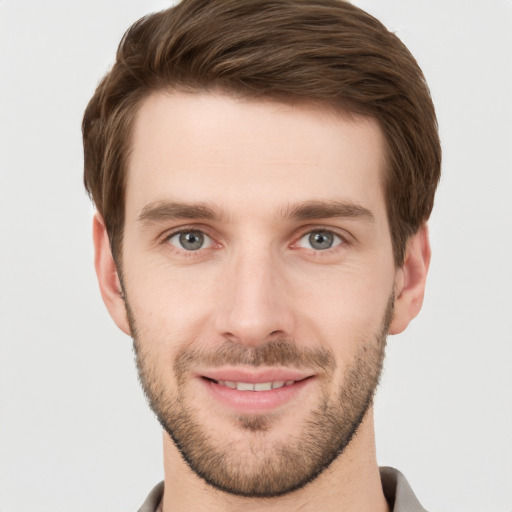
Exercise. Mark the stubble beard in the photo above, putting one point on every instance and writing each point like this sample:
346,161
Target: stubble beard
263,469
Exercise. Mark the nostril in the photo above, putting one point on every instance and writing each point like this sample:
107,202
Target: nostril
277,333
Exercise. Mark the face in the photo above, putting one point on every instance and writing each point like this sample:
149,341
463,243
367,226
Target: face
258,279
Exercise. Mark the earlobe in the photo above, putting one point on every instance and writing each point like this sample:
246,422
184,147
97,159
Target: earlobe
108,279
410,281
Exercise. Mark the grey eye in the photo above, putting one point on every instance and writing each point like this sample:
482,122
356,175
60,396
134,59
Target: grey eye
320,240
190,240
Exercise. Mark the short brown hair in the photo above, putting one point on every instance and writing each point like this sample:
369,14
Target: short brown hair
326,51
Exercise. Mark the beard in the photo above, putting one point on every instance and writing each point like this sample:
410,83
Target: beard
259,468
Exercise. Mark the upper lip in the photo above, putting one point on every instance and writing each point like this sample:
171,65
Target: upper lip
255,375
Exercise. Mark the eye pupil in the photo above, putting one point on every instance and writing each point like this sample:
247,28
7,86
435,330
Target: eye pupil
192,240
321,240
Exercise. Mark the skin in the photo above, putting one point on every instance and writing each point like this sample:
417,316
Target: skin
258,279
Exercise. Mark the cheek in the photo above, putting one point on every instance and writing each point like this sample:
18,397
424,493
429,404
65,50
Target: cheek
345,296
332,305
168,303
345,314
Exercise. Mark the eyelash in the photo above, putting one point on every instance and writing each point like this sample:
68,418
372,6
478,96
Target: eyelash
344,240
182,251
337,240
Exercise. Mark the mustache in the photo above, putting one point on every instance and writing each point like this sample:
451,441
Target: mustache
272,353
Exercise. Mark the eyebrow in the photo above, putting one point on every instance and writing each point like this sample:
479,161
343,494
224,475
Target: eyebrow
310,210
162,211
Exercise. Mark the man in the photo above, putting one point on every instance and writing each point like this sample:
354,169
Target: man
263,172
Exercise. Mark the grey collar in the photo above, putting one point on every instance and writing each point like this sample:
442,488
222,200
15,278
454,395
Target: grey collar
396,490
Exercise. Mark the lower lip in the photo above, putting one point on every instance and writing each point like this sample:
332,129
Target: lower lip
255,401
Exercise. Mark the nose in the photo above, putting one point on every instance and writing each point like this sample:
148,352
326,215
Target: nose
254,301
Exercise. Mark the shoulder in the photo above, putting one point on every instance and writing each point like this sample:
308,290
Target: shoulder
152,502
398,492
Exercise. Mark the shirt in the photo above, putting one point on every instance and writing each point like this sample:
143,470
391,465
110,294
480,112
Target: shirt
396,489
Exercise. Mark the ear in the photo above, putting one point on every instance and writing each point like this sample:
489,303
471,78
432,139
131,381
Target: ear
108,279
410,281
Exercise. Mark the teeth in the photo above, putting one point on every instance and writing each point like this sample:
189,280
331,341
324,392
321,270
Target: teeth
263,386
244,386
260,386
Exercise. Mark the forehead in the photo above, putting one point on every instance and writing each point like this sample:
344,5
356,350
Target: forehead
209,147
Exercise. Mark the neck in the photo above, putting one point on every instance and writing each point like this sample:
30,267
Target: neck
351,483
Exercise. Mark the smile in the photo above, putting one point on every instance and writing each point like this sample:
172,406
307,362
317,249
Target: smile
251,393
259,386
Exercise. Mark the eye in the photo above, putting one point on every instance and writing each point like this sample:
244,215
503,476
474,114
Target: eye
190,240
320,240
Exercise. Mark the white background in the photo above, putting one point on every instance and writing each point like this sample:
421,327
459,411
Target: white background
75,432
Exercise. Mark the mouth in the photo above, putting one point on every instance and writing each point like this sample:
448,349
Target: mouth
249,386
249,392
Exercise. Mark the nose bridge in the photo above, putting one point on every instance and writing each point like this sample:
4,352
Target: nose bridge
254,306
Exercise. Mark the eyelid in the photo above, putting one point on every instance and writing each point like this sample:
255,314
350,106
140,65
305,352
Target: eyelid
208,242
169,234
337,240
345,237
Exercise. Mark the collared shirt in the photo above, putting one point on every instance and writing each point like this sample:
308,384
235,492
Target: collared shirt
396,489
